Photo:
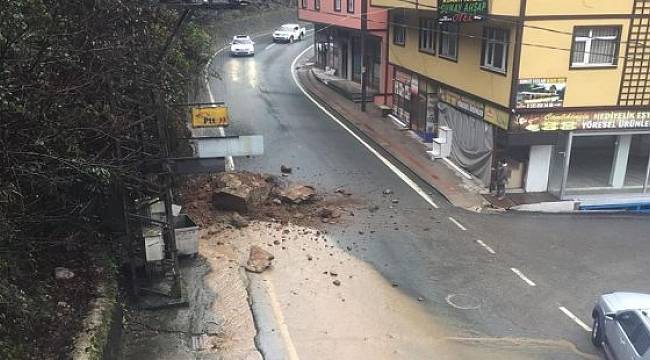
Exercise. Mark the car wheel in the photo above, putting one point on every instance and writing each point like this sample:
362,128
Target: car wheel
597,331
291,40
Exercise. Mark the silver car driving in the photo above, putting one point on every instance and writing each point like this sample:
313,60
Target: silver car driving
622,326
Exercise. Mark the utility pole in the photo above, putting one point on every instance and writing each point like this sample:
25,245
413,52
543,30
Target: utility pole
364,30
168,197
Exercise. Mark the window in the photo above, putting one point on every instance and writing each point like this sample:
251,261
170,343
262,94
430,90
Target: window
303,3
597,46
317,4
495,49
350,6
427,35
448,47
635,331
399,30
337,5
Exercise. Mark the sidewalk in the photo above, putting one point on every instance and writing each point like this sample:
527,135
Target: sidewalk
408,150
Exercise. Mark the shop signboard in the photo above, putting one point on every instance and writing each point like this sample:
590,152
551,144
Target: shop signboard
462,10
213,116
496,117
488,113
541,93
583,120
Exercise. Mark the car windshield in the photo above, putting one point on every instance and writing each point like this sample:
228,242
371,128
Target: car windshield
287,27
241,41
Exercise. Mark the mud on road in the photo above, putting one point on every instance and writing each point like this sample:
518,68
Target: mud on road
317,300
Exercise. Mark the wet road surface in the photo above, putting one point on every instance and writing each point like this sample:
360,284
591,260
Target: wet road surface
514,276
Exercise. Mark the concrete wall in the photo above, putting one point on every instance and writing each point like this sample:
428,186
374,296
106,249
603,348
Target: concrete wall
465,73
551,59
539,162
577,7
377,17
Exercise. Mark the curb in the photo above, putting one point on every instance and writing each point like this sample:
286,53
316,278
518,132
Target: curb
101,327
377,145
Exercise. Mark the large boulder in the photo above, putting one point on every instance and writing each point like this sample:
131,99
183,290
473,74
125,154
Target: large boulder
258,259
298,193
240,191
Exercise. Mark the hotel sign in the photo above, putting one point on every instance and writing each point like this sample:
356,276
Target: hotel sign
583,120
461,10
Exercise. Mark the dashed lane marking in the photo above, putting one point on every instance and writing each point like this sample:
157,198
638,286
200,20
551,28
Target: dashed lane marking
460,226
486,247
575,318
386,162
269,46
523,277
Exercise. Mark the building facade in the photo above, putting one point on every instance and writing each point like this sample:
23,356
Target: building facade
561,92
337,41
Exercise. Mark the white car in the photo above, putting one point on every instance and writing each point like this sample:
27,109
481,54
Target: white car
242,45
289,33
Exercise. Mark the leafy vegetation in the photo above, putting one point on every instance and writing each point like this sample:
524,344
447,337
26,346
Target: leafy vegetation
77,128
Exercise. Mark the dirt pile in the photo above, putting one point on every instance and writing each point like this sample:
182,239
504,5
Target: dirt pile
235,197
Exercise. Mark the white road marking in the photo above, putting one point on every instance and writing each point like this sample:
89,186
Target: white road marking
269,46
523,277
575,318
486,247
460,226
230,163
386,162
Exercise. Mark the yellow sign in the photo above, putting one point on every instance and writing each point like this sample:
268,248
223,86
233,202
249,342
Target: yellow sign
210,116
496,117
486,112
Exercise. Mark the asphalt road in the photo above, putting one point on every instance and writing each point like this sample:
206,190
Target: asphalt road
515,283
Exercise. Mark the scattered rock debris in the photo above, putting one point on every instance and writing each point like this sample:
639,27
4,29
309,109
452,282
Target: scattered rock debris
285,169
258,259
258,197
387,191
238,221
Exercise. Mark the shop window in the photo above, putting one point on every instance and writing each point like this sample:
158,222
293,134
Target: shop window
337,5
317,5
595,46
427,35
399,30
350,6
303,3
495,49
448,47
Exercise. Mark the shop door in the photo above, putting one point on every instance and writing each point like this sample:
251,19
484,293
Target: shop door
356,59
419,115
559,161
591,162
638,164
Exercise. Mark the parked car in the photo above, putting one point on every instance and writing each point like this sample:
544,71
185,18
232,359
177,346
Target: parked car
621,325
242,45
289,33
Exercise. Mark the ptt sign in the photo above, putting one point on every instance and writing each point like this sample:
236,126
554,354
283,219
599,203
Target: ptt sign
214,116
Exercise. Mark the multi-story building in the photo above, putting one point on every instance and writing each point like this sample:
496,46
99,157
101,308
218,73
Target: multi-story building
337,41
560,90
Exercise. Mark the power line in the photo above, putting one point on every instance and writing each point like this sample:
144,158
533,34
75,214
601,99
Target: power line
516,22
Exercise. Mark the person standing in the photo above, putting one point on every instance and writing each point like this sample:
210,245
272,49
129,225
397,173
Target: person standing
503,173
